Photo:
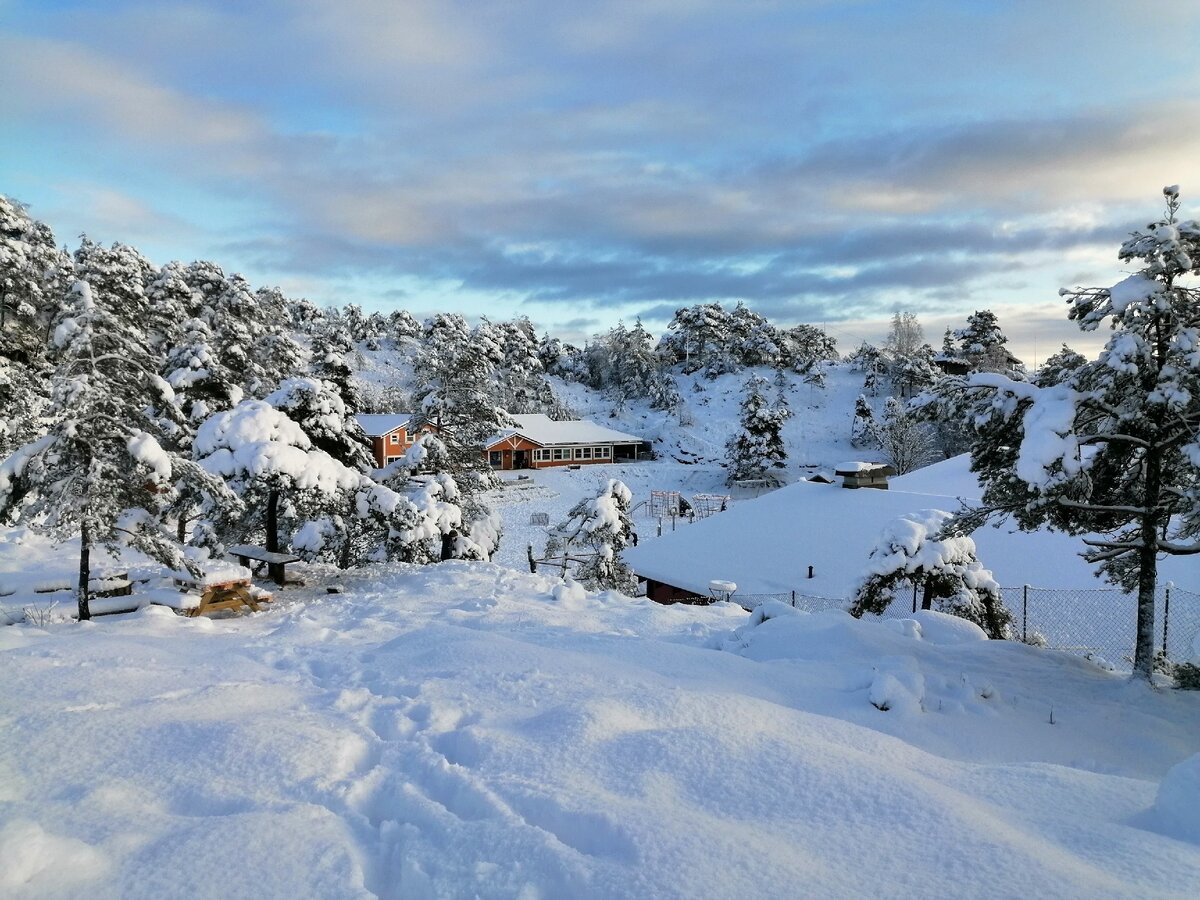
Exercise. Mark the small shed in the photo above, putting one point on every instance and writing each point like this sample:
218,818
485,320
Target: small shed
864,474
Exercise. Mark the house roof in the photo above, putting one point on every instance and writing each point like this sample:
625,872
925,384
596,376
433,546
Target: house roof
379,425
541,429
766,545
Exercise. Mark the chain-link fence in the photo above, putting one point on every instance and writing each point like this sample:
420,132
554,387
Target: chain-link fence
1097,622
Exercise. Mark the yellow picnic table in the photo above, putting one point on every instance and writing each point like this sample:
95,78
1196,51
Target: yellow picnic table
213,592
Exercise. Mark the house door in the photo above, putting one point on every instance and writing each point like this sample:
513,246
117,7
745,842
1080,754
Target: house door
520,459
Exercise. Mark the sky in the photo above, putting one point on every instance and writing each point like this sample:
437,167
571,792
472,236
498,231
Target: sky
585,163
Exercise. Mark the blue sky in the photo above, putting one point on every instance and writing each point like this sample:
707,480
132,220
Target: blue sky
581,163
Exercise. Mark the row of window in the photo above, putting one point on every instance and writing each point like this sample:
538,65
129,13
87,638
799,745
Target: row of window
550,454
394,438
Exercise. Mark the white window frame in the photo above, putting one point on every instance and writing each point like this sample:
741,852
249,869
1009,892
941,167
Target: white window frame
583,453
562,453
604,453
394,438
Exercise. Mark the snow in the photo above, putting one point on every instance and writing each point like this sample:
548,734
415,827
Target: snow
146,450
1134,289
464,730
1177,807
470,730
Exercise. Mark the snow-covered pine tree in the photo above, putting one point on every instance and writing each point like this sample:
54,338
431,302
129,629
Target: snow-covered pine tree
1113,451
327,362
982,342
864,428
203,385
602,524
757,450
32,281
273,466
917,549
97,463
1059,366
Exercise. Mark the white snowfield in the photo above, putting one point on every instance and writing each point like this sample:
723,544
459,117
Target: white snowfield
463,730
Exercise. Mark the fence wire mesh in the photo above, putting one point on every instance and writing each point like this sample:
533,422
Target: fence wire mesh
1096,622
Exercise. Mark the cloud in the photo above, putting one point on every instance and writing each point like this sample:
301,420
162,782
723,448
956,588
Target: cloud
624,156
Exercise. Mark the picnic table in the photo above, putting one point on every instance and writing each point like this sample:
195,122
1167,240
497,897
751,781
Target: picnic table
210,592
275,562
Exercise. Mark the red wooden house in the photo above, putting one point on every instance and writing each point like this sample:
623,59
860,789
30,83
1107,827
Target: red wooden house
391,435
539,442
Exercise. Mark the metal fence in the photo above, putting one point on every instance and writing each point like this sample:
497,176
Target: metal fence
1098,622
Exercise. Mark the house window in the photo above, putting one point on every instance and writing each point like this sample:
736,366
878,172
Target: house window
583,453
395,438
541,455
602,452
561,453
495,459
408,438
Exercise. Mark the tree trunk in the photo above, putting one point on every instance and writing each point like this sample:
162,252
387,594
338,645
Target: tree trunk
927,594
85,568
1143,653
344,553
272,541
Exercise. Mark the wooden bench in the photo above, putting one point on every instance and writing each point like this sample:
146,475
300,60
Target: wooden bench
275,562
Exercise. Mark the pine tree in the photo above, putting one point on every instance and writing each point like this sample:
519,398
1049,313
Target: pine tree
758,448
1112,452
1059,367
864,429
919,550
603,525
32,273
97,464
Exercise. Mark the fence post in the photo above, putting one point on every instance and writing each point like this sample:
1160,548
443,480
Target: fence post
914,596
1166,614
793,599
1025,614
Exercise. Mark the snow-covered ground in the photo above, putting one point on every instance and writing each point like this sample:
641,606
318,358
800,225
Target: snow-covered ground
470,730
466,730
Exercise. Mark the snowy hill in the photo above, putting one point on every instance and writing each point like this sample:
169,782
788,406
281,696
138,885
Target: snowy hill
463,730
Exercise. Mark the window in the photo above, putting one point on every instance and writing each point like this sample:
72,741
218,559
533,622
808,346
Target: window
583,453
541,455
408,437
495,459
602,452
560,453
395,438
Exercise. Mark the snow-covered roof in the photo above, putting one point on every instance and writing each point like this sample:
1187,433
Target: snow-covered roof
844,468
541,429
379,425
767,544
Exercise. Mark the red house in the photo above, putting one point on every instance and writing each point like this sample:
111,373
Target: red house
391,435
539,442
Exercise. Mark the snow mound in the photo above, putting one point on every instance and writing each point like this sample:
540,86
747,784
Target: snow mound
898,685
943,628
1177,806
33,857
